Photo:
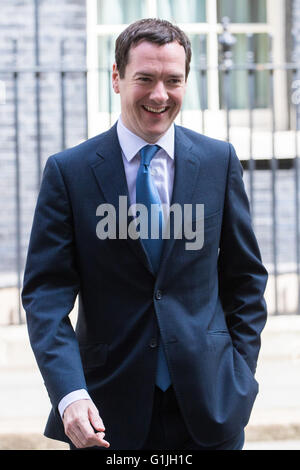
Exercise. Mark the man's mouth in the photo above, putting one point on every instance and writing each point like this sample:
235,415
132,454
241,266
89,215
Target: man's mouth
160,110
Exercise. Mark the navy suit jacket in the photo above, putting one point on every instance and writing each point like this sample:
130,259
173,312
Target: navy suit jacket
207,304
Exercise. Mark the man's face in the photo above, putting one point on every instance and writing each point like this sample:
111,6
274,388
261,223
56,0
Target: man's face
152,89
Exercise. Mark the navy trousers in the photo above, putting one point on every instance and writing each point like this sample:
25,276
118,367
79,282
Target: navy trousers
168,430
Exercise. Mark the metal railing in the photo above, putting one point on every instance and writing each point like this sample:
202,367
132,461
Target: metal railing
13,75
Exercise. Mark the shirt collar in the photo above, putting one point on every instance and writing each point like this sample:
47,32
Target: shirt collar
131,144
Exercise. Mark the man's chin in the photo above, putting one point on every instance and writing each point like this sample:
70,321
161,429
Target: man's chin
152,134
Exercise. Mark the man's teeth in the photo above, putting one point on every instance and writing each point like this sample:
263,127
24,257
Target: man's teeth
155,110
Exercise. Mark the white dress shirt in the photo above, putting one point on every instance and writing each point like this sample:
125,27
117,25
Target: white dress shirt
162,171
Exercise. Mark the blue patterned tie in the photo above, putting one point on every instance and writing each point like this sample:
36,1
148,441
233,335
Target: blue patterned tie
146,193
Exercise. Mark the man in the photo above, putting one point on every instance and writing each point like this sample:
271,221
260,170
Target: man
167,336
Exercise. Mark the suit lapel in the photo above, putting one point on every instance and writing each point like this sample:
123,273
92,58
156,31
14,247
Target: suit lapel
187,165
109,171
186,169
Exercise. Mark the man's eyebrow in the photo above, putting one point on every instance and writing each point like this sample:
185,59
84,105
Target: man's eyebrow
148,74
176,75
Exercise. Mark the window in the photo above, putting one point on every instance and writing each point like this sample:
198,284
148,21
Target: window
196,94
120,11
243,11
191,11
202,21
238,93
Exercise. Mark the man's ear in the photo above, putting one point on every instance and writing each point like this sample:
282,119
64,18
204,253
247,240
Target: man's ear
115,79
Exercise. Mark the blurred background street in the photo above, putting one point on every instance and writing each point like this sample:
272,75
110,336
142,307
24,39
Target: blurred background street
274,423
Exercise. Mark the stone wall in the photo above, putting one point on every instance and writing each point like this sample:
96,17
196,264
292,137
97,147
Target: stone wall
58,20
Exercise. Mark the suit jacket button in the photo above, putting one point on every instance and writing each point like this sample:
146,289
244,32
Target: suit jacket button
158,295
153,343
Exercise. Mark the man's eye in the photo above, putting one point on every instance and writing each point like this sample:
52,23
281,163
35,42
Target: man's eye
144,79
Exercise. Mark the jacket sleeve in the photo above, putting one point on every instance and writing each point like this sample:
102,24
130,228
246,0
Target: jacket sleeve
242,276
51,284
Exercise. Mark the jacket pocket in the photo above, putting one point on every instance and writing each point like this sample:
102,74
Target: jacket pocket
218,332
93,355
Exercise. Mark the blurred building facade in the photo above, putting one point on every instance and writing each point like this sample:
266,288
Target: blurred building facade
55,91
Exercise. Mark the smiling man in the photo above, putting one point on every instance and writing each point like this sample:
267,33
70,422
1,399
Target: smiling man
152,89
166,342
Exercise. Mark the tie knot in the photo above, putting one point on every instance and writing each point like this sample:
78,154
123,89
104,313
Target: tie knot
147,153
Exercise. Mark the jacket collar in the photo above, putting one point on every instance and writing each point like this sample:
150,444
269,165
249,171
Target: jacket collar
109,171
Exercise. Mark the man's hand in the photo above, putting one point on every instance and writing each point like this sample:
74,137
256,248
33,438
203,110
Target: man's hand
81,422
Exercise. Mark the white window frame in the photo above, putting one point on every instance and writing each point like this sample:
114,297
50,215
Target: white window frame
100,121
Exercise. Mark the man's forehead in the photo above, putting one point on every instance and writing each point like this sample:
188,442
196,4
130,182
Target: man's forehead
151,53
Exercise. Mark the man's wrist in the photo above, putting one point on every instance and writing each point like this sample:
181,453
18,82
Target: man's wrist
81,394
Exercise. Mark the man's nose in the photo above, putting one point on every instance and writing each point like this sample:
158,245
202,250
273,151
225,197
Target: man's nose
159,93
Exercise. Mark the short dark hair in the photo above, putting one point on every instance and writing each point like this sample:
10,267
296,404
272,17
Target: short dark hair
152,30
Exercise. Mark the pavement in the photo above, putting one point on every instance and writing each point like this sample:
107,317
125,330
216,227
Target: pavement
275,419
